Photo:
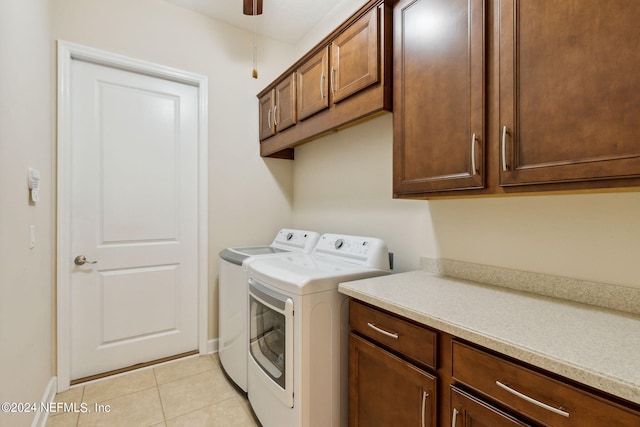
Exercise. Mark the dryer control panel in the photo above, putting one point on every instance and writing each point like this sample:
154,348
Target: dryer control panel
365,251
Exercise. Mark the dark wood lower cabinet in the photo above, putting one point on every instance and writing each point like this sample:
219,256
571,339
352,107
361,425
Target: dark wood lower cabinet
456,383
468,411
385,390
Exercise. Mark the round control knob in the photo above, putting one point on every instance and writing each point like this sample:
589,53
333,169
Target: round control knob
339,243
289,236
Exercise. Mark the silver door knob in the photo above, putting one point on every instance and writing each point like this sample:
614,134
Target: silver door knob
81,260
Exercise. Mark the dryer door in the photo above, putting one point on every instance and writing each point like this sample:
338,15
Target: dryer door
271,338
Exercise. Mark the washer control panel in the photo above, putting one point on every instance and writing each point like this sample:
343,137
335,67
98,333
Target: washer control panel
296,239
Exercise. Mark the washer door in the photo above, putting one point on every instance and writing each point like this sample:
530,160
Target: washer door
271,338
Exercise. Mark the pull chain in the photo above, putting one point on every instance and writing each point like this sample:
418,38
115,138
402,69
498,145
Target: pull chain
254,73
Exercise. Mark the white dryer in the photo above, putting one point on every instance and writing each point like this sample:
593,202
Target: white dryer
232,296
297,370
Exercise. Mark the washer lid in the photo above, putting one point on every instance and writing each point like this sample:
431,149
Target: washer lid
301,274
239,255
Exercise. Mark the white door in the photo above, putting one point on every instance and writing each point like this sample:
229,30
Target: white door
133,216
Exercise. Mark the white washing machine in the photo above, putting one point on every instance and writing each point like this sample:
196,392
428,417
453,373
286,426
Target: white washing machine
297,370
232,297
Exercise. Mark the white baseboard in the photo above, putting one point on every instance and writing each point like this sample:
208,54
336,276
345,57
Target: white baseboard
49,396
212,346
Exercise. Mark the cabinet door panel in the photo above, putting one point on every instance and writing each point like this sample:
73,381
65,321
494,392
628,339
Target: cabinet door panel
472,412
438,95
265,116
285,101
354,57
569,90
313,84
386,391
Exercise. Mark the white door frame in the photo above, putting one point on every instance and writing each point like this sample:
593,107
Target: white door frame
66,53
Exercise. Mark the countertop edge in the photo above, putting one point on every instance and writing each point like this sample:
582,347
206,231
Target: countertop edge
600,381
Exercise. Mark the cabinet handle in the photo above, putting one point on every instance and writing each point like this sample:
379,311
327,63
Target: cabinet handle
532,400
275,116
322,77
333,80
505,131
474,171
424,404
382,331
269,118
454,417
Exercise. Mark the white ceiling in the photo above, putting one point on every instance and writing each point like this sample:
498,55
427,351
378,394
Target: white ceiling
284,20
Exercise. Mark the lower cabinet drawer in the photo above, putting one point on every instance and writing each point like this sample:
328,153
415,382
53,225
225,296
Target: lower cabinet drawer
467,410
538,397
403,336
385,390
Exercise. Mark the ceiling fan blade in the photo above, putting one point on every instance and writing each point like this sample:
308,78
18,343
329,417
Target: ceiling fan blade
247,7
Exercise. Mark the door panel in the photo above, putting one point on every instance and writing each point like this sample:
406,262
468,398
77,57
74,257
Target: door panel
134,211
286,103
129,133
385,390
354,57
267,125
125,291
569,95
439,89
468,411
313,84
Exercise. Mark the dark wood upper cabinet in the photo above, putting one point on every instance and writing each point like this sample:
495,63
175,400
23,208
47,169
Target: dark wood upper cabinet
550,89
354,57
344,79
439,115
266,126
285,103
313,84
277,108
569,90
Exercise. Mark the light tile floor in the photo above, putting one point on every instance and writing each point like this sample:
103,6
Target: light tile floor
190,392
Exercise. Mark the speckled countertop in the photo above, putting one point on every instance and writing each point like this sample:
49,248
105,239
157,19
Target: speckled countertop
591,345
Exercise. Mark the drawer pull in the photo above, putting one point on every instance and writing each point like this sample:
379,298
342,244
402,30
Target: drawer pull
382,331
424,401
454,417
531,400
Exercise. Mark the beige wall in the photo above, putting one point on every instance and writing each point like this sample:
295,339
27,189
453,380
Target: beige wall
249,197
342,183
25,141
584,236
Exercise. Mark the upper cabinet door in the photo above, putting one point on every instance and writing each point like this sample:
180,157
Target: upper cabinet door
313,83
285,103
355,57
438,99
569,90
266,123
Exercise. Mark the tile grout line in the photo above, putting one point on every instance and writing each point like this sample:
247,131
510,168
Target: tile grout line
84,389
199,409
164,415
